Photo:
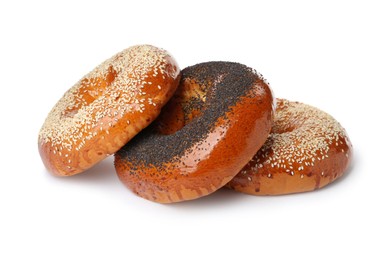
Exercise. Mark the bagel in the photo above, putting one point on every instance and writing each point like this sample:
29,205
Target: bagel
306,150
216,121
106,108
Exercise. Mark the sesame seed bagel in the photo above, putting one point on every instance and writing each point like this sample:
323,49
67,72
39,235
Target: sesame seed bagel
107,108
216,121
306,150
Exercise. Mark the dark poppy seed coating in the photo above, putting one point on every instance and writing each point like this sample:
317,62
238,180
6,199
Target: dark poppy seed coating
223,83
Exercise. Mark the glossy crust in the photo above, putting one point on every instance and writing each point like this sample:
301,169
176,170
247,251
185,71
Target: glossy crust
106,108
219,117
306,150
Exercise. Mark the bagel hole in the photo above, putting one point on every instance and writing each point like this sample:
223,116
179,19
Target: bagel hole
187,104
89,90
70,112
282,129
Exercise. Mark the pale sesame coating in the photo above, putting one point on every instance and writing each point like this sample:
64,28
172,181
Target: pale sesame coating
301,136
108,92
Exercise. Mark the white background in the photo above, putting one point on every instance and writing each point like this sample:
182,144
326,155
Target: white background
330,54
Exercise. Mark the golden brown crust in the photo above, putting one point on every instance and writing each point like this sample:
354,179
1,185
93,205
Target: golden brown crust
306,150
209,163
106,108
